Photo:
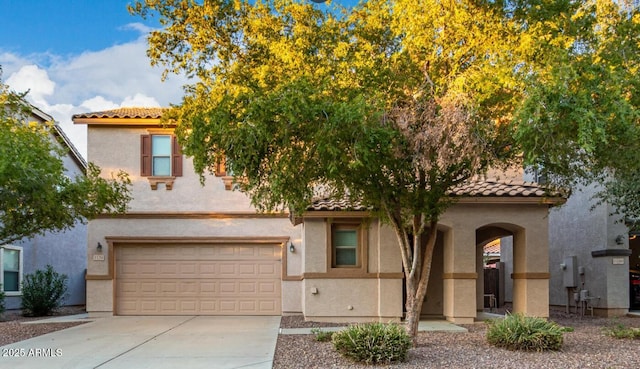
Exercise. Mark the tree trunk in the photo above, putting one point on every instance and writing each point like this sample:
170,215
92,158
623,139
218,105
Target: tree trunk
418,280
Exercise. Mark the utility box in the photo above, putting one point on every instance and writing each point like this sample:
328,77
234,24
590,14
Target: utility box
569,268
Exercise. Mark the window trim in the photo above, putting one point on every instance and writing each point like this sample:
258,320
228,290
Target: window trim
361,227
20,270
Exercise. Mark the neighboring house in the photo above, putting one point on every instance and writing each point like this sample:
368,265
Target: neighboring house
183,248
594,261
591,250
64,251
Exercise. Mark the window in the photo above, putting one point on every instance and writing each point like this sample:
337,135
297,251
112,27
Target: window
11,261
160,156
345,245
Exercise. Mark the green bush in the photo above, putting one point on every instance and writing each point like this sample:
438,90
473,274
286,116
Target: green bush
519,332
373,343
43,292
322,336
620,331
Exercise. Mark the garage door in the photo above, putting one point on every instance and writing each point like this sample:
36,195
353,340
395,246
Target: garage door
236,279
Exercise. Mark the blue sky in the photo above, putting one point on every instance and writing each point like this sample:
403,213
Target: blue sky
76,56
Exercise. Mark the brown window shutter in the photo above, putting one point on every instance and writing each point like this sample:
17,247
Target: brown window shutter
220,168
176,157
145,155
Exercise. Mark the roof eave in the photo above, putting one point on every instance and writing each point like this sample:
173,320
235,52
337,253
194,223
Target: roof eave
122,122
544,200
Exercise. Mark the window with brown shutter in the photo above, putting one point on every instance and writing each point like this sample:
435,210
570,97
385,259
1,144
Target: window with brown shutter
160,159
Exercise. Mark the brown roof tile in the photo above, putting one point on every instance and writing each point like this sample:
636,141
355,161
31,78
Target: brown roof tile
123,113
487,188
328,204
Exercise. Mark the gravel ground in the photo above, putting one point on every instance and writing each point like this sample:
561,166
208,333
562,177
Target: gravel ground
12,330
586,347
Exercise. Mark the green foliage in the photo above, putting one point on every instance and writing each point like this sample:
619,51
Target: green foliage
397,102
373,343
620,331
43,292
519,332
321,336
35,193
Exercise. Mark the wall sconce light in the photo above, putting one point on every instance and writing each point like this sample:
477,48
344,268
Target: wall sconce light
292,248
619,240
99,247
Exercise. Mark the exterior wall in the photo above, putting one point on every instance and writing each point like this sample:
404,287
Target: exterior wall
530,263
188,210
453,288
576,230
64,251
372,295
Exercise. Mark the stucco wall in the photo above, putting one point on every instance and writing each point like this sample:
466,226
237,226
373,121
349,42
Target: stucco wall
577,230
351,295
188,210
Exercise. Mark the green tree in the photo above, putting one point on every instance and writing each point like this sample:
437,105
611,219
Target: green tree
391,103
36,195
580,118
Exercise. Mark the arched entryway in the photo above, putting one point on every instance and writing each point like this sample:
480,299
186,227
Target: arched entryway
493,243
474,225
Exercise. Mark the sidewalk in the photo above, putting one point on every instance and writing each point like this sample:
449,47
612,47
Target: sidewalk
424,326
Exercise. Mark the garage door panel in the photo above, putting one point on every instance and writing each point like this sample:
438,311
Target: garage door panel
200,279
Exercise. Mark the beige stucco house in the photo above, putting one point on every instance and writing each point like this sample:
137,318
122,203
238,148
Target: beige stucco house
183,248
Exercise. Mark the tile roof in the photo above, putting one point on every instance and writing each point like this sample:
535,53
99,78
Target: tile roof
124,113
502,189
476,189
328,204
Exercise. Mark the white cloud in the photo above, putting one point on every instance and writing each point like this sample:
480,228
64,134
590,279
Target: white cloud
98,103
35,80
140,100
137,26
117,76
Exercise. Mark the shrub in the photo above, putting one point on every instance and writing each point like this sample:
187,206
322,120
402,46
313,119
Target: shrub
620,331
43,292
519,332
321,336
373,343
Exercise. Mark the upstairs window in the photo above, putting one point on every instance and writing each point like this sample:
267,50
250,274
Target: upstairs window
160,156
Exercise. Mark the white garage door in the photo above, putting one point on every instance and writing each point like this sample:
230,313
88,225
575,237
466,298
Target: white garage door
236,279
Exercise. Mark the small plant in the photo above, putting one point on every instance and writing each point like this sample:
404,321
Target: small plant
43,292
621,332
321,336
373,343
519,332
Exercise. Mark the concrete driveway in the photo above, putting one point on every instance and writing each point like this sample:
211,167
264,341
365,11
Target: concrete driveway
152,342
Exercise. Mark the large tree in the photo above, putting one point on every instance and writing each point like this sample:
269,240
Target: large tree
391,103
36,193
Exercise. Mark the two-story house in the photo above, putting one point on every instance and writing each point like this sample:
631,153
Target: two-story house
186,249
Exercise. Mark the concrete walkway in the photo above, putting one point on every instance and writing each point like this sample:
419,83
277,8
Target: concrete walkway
151,342
423,326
